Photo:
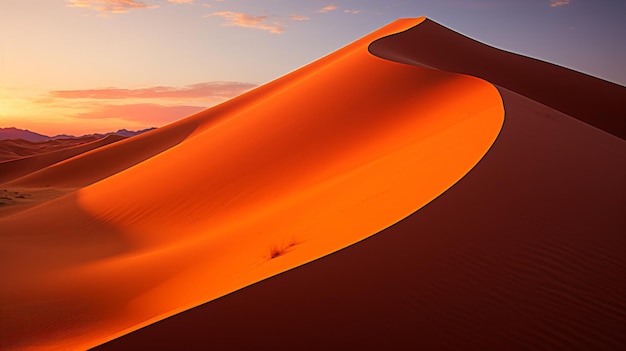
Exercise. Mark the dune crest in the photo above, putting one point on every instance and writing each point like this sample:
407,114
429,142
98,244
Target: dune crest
589,99
287,173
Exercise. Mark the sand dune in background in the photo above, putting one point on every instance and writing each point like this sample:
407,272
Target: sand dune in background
525,252
11,149
94,165
287,173
48,155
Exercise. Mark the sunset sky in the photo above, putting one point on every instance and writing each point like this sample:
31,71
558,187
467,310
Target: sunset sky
84,66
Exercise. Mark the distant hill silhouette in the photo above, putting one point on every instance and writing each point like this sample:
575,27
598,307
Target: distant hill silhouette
16,133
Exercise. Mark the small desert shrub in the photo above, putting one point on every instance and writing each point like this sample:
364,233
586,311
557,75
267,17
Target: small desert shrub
279,250
275,251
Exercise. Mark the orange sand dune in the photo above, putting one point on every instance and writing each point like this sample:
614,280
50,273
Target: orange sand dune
287,173
525,252
49,154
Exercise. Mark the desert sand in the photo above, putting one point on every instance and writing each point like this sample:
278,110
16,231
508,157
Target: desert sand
44,154
15,148
497,215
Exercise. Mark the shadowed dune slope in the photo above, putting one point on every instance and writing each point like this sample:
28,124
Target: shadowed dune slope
270,180
592,100
526,252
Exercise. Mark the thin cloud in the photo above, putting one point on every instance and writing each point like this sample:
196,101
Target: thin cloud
298,18
149,114
477,4
182,1
109,6
354,12
238,19
327,9
208,90
555,3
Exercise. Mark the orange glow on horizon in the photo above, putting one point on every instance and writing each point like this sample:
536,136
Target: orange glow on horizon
87,111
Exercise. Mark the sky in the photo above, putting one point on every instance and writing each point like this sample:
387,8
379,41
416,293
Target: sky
87,66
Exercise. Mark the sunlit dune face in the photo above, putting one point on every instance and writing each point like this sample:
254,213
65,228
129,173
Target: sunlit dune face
327,156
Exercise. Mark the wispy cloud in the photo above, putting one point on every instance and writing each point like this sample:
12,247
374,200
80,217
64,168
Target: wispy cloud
249,21
182,1
354,12
102,110
151,106
327,8
298,18
148,114
477,4
557,3
207,90
110,6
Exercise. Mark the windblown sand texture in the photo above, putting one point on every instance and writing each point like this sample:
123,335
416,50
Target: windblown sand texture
492,231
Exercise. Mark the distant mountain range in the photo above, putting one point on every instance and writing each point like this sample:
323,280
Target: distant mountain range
16,133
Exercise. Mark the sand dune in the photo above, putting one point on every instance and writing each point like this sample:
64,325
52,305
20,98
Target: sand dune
93,165
11,149
525,252
278,177
49,154
516,245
